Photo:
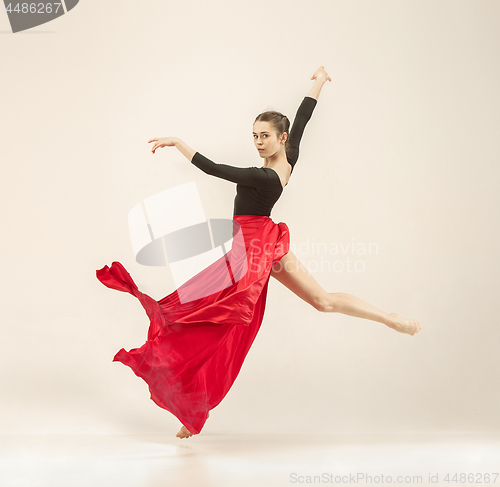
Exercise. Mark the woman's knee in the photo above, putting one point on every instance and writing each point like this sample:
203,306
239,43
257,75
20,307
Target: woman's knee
326,303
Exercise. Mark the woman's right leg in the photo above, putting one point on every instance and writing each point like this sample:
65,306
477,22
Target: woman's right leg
292,274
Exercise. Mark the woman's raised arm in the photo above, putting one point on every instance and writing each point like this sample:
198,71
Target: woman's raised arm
321,77
303,115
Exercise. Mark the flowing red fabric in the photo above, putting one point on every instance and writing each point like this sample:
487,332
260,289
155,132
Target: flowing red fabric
198,338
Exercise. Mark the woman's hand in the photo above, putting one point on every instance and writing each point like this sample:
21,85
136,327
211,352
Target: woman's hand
163,142
321,75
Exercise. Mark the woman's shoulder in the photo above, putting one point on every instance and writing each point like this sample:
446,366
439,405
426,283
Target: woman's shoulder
279,175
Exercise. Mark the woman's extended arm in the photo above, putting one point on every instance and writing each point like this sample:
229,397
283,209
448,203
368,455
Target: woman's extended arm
247,176
173,142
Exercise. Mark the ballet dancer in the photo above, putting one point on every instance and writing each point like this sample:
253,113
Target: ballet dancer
199,388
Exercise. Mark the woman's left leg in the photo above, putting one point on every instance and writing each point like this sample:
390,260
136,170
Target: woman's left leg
292,274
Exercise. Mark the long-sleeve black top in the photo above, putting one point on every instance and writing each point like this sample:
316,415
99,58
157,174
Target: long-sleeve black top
258,188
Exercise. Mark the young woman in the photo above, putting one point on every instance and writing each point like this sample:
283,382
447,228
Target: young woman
196,347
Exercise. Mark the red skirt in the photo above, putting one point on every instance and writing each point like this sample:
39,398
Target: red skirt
200,334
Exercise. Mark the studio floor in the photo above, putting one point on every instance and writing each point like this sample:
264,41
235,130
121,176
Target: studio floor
248,460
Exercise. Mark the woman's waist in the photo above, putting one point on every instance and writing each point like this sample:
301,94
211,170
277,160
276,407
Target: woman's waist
252,218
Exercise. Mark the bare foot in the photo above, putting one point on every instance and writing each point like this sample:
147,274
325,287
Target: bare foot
403,325
185,433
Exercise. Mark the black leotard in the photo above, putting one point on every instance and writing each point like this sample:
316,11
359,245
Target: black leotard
258,188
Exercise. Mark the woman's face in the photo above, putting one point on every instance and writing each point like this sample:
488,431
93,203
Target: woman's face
265,139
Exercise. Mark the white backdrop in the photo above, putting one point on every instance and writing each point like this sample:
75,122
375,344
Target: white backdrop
401,151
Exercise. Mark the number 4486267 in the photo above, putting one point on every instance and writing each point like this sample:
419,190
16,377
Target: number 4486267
33,8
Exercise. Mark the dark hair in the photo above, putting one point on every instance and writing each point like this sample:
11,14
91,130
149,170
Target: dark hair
279,123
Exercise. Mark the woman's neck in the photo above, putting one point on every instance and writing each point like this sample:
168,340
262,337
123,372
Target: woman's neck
276,160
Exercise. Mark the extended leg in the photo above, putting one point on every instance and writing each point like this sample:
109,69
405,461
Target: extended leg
292,274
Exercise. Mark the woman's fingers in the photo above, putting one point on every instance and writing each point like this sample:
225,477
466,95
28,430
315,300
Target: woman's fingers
321,72
326,74
156,145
